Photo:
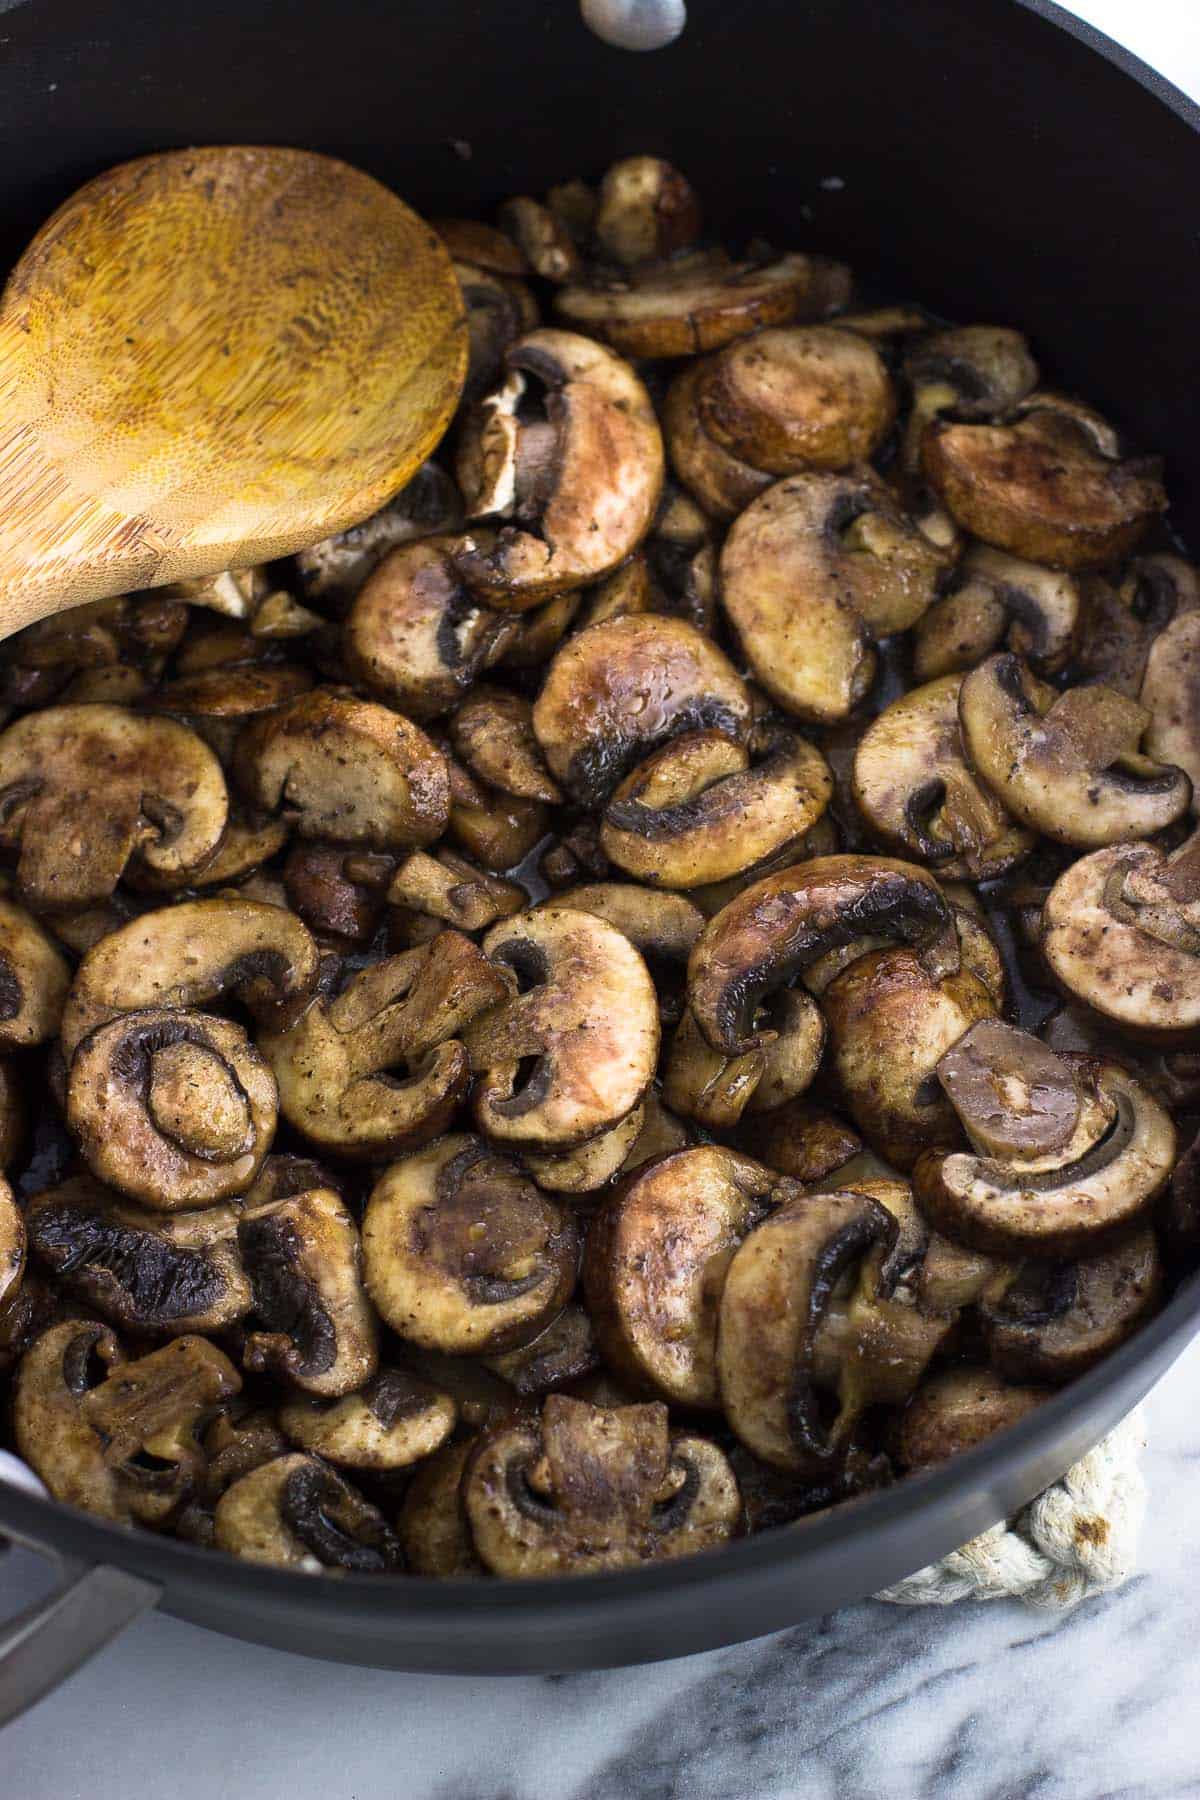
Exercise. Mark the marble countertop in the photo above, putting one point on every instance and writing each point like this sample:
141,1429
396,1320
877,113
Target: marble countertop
987,1702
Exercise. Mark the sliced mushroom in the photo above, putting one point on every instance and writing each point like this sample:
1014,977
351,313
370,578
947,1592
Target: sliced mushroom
217,703
543,240
701,302
973,371
589,1166
236,593
297,1513
445,886
788,922
462,1253
913,786
393,1421
188,955
302,1254
346,770
571,468
1123,621
621,688
334,1063
1048,1322
585,1489
720,482
495,829
811,571
115,1437
573,1050
134,634
646,211
655,1263
709,1087
1000,600
803,1141
1171,695
1120,930
500,309
1067,764
1049,486
171,1107
240,1438
540,631
493,733
565,1351
333,570
696,811
85,790
1069,1202
1014,1096
319,884
151,1275
34,978
416,635
664,927
12,1246
431,1526
955,1410
248,843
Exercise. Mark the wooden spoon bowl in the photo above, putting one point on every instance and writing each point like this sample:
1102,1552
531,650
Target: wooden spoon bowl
209,358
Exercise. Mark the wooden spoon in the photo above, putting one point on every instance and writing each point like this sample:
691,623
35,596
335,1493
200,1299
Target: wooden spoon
208,358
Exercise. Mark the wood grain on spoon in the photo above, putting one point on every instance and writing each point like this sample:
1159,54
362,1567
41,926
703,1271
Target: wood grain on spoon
209,358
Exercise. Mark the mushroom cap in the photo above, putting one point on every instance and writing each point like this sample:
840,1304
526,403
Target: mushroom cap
85,789
316,1327
799,397
980,369
645,210
572,1054
346,770
34,978
333,570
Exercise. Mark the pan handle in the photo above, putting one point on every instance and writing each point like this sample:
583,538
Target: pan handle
49,1640
635,24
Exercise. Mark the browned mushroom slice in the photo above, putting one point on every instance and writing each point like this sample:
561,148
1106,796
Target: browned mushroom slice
1171,695
564,1352
1066,1203
913,786
445,886
101,639
655,1263
1067,764
1120,930
646,211
573,1050
497,830
152,1275
1014,1096
621,688
543,240
431,1526
13,1114
589,1166
416,636
810,572
493,733
12,1246
85,790
303,1257
297,1513
540,631
704,1084
701,302
171,1107
186,956
1050,1321
802,1140
567,457
334,1063
483,246
216,703
1043,487
809,397
788,922
999,600
393,1421
247,844
240,1438
974,371
955,1410
777,1291
320,887
333,570
586,1489
664,927
116,1437
720,482
34,978
696,811
461,1251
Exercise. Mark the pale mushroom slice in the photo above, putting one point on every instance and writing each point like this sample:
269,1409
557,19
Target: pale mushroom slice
972,371
995,601
34,978
86,790
113,1436
432,1529
392,1422
618,690
1049,1321
698,810
700,302
567,459
316,1327
1066,764
587,1488
1015,1097
1068,1202
295,1512
790,922
416,636
173,1108
1049,486
492,731
645,211
811,572
573,1049
655,1262
154,1275
332,571
462,1253
187,955
1120,930
379,1067
588,1166
956,1410
915,789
